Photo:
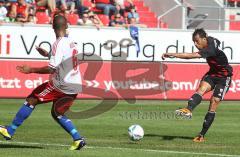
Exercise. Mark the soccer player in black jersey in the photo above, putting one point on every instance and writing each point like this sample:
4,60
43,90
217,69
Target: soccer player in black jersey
217,79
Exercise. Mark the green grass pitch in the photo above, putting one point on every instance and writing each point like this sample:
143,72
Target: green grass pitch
107,136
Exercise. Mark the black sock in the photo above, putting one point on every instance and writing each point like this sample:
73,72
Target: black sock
194,101
209,118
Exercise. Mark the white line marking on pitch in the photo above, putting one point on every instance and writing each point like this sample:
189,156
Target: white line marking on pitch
117,148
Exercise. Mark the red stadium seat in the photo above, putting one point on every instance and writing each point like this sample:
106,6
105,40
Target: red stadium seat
142,8
72,19
146,14
233,25
87,3
42,18
138,3
151,24
104,19
148,19
165,25
232,17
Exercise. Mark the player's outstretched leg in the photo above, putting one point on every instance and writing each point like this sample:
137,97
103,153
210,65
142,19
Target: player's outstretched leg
208,120
67,125
23,113
192,103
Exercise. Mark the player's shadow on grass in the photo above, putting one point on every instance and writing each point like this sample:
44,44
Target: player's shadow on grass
18,146
169,137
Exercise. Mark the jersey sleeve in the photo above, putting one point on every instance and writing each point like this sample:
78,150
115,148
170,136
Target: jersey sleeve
210,51
56,56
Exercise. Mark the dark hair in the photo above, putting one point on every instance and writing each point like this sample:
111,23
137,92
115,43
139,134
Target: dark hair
59,22
201,32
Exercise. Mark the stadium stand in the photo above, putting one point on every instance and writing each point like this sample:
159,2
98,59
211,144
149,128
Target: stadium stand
212,15
147,17
233,3
233,12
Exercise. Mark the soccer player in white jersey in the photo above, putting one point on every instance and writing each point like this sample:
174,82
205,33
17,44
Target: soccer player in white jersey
61,89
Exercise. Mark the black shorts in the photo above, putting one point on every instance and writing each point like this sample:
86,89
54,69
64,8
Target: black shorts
219,85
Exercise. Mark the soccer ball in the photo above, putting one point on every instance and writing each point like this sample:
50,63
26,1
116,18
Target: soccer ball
135,132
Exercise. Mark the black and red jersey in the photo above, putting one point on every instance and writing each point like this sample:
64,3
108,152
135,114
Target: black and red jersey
216,59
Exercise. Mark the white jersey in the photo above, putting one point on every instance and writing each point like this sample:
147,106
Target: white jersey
67,77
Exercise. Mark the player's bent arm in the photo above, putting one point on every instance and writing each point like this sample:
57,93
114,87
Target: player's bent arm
182,55
41,70
188,55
